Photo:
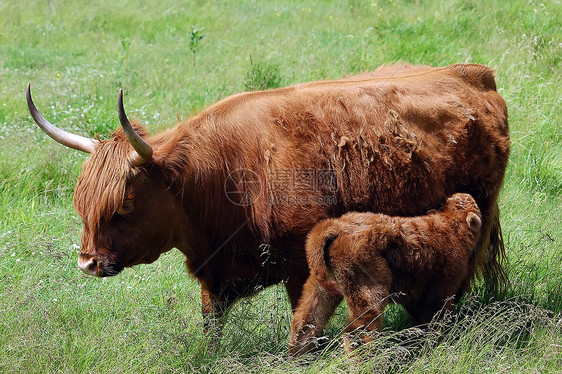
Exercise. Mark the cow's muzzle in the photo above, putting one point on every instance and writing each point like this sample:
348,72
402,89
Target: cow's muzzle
89,265
93,266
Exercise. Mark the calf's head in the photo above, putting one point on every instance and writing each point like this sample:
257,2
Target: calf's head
463,204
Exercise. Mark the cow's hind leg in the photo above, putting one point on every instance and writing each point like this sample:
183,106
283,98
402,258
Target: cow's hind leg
294,286
316,306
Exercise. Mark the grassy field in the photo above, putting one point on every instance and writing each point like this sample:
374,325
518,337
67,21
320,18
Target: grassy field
78,54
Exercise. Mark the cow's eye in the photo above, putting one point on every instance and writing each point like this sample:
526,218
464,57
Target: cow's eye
127,207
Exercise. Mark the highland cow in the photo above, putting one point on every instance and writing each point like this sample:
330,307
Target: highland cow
237,187
419,262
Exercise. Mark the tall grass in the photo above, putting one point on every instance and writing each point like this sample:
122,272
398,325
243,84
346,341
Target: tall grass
147,319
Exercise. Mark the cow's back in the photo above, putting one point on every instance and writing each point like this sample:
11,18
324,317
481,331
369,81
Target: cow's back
396,143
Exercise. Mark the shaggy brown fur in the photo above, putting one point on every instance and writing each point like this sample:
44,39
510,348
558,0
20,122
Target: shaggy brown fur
395,141
420,262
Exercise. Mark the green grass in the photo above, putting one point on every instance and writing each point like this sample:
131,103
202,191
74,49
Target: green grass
78,54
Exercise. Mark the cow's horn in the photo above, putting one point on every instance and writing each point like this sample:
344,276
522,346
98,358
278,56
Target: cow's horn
143,150
66,138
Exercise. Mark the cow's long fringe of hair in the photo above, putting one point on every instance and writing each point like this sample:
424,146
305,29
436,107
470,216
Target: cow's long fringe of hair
104,178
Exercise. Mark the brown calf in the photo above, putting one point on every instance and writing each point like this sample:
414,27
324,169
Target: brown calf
419,262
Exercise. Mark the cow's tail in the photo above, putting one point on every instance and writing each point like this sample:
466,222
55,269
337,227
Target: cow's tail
493,272
490,254
318,246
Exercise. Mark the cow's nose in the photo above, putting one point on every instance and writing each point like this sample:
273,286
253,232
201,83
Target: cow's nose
88,265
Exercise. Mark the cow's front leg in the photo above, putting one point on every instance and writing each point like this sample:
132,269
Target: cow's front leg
316,306
213,311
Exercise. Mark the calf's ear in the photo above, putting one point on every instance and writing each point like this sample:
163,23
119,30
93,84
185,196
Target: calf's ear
473,221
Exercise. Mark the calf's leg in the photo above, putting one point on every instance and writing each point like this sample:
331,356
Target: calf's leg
316,306
366,305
